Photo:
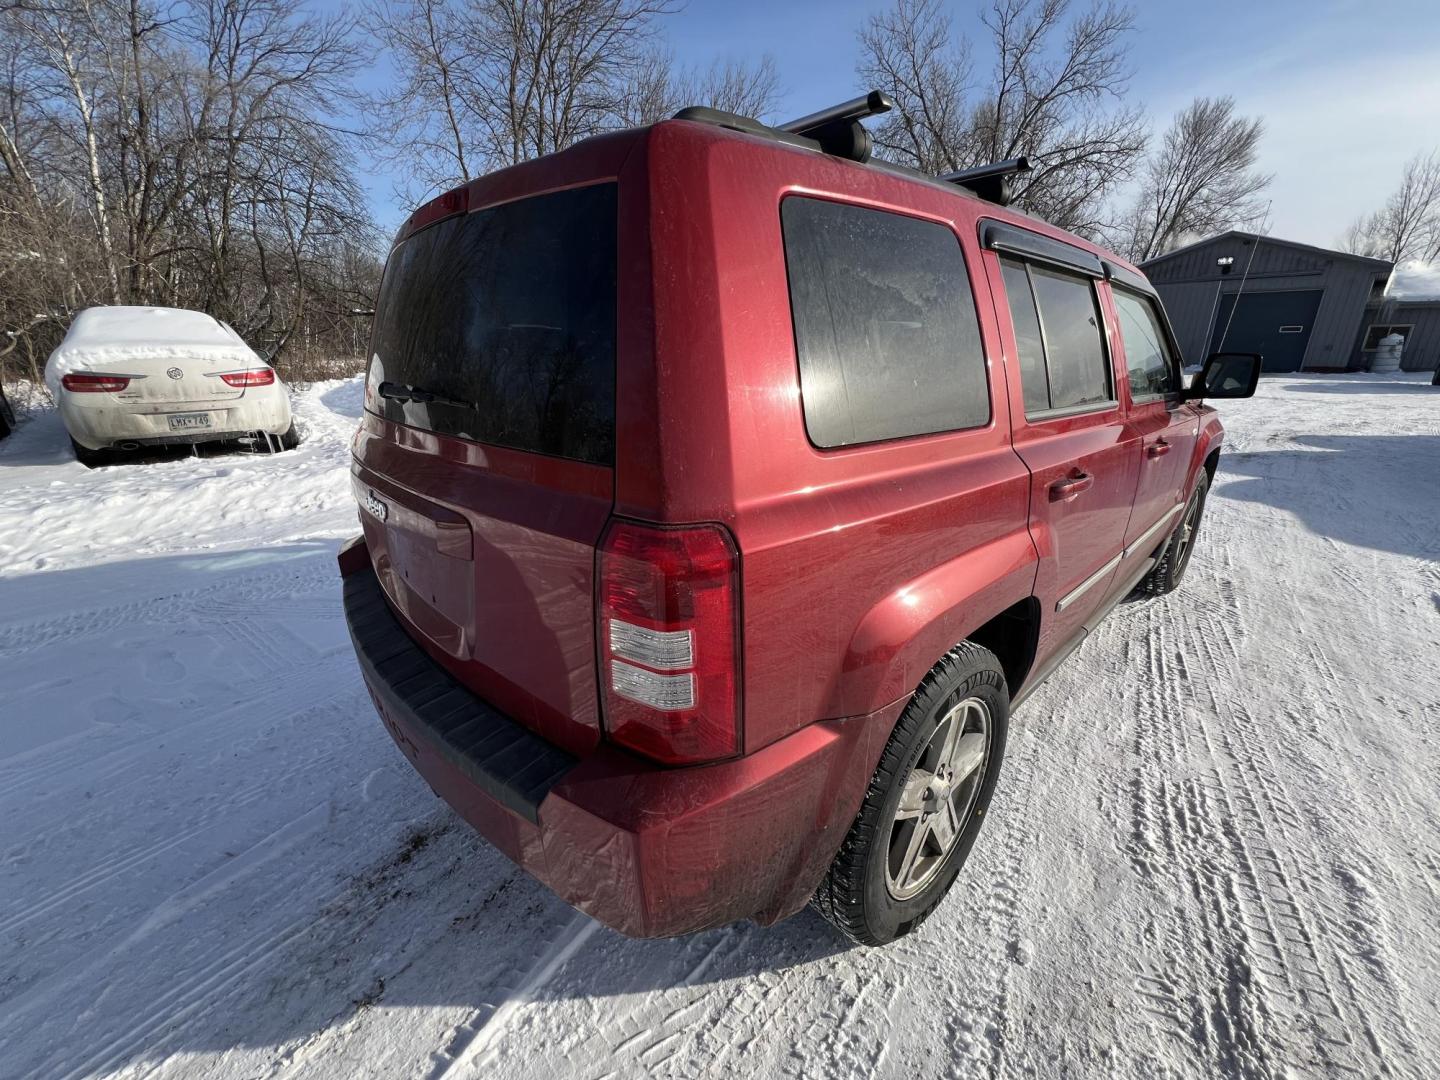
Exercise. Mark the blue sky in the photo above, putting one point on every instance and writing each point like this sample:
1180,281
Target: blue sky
1349,90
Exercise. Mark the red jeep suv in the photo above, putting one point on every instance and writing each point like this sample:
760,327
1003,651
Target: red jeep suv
723,490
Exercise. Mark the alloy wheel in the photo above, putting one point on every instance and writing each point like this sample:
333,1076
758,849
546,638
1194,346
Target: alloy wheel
937,798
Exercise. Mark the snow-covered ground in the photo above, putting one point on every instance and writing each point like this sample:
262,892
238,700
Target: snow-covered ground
1215,850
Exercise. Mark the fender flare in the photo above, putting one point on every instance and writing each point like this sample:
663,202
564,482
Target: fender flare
907,633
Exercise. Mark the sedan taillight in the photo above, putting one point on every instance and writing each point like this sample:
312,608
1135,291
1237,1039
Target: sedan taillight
670,641
80,382
257,377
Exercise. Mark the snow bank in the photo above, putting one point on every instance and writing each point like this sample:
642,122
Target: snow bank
1415,279
110,337
55,514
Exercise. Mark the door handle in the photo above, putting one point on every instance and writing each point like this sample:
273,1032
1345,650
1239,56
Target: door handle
1064,490
1159,448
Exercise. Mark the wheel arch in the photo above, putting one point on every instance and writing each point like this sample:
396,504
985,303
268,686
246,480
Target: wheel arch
985,595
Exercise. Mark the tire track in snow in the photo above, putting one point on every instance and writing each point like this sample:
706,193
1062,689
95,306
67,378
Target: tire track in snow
284,688
295,577
1174,829
1263,830
202,985
470,1045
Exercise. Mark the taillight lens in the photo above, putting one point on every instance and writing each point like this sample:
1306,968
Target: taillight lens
82,383
257,377
669,640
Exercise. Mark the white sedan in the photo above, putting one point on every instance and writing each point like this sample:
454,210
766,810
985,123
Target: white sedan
129,377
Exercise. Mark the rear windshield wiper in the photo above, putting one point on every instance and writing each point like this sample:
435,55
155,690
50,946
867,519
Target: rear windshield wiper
419,395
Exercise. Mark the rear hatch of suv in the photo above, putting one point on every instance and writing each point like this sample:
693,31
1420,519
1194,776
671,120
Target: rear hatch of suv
484,464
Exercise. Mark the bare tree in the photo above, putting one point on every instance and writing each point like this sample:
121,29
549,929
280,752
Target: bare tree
485,83
1201,179
1053,92
658,89
181,155
1408,225
911,53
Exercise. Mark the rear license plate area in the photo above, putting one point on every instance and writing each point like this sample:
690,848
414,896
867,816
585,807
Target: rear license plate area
189,421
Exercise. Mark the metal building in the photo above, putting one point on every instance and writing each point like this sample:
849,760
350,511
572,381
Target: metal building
1417,320
1302,307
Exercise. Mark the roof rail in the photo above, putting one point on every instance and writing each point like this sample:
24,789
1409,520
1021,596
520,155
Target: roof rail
991,182
836,131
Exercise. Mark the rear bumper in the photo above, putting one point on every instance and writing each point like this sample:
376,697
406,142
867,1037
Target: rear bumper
98,427
650,851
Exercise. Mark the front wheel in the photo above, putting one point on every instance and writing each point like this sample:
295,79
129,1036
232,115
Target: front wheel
925,803
1175,555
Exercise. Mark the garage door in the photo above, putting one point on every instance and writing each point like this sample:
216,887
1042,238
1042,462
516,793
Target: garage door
1276,325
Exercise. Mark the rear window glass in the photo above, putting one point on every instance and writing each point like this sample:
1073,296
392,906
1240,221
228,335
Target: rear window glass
499,326
885,324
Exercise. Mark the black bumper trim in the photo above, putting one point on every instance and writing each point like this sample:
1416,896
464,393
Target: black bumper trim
515,767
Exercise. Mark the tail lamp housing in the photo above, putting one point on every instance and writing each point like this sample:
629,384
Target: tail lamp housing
669,640
84,382
253,377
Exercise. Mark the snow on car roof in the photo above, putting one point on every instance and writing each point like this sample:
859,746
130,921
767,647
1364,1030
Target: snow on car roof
114,337
147,326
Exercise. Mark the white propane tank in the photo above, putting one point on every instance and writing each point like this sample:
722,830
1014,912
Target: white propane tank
1387,353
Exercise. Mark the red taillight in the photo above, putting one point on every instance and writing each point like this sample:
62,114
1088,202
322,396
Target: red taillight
81,383
669,640
257,377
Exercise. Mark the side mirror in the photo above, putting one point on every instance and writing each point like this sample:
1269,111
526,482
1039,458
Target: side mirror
1226,375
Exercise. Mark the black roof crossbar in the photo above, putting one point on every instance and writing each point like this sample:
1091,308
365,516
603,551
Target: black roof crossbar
990,182
871,104
836,131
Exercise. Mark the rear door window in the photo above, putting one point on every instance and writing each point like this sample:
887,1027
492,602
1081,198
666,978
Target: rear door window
1151,365
1058,332
885,325
504,319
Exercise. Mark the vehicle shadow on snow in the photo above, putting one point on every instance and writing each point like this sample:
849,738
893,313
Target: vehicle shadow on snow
347,399
1366,388
337,883
1373,491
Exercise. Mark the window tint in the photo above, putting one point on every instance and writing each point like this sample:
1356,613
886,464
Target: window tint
1033,380
508,315
1074,349
1152,370
885,324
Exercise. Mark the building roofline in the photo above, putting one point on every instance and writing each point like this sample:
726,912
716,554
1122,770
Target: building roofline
1379,264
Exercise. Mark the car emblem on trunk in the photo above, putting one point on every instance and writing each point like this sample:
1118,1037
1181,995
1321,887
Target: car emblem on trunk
175,373
375,506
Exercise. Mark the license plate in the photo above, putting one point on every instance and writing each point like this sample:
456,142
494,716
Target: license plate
188,421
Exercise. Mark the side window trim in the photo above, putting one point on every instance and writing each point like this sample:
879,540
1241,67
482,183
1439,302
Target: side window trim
1030,246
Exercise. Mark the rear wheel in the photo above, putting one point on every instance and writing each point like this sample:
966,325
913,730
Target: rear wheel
1175,555
925,803
291,439
87,457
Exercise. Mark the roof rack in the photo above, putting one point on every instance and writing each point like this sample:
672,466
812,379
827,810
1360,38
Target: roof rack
836,131
991,182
